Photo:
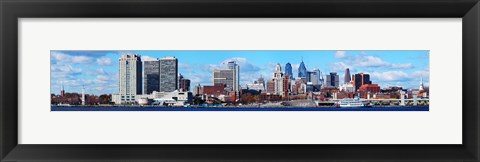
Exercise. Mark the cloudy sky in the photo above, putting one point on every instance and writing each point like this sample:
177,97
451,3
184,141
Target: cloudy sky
98,70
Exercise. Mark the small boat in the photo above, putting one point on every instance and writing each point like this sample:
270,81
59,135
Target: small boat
352,102
62,104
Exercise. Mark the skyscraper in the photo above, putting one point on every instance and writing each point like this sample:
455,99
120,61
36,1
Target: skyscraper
361,79
130,77
278,80
288,70
168,74
347,78
302,70
232,65
230,77
332,80
151,76
315,76
309,76
225,77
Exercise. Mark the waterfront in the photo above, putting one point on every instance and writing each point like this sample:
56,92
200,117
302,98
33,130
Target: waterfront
138,108
240,81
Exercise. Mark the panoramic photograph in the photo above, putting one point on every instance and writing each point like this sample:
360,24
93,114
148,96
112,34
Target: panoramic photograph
239,80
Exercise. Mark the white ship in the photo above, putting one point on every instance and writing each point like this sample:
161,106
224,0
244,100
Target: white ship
352,102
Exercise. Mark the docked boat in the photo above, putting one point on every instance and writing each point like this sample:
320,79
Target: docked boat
352,102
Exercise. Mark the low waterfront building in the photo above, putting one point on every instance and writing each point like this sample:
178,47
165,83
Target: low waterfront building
270,87
256,86
374,88
180,98
215,90
347,87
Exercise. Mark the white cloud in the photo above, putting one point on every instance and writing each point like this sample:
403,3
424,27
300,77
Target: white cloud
104,61
103,77
366,61
81,59
183,65
389,76
400,78
340,54
401,66
147,58
59,57
101,71
338,66
245,66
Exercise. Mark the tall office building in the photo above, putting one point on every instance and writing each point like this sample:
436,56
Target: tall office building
302,70
129,77
332,80
309,76
278,80
230,77
168,74
224,77
347,78
361,79
315,76
232,65
288,70
151,76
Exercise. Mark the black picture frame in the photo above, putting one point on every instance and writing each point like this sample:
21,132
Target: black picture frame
11,10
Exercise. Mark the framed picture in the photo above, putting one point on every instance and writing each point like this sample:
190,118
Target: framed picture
252,81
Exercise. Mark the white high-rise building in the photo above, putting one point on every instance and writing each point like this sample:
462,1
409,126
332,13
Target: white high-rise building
129,77
278,80
232,65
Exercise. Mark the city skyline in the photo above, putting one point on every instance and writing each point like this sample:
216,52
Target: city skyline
98,70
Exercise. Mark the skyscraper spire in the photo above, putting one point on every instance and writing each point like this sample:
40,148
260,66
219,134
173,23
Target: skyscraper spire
421,84
302,70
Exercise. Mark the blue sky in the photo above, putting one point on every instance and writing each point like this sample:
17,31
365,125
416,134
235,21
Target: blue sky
98,70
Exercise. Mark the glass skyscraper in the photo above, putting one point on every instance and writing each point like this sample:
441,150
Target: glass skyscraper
288,70
302,70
